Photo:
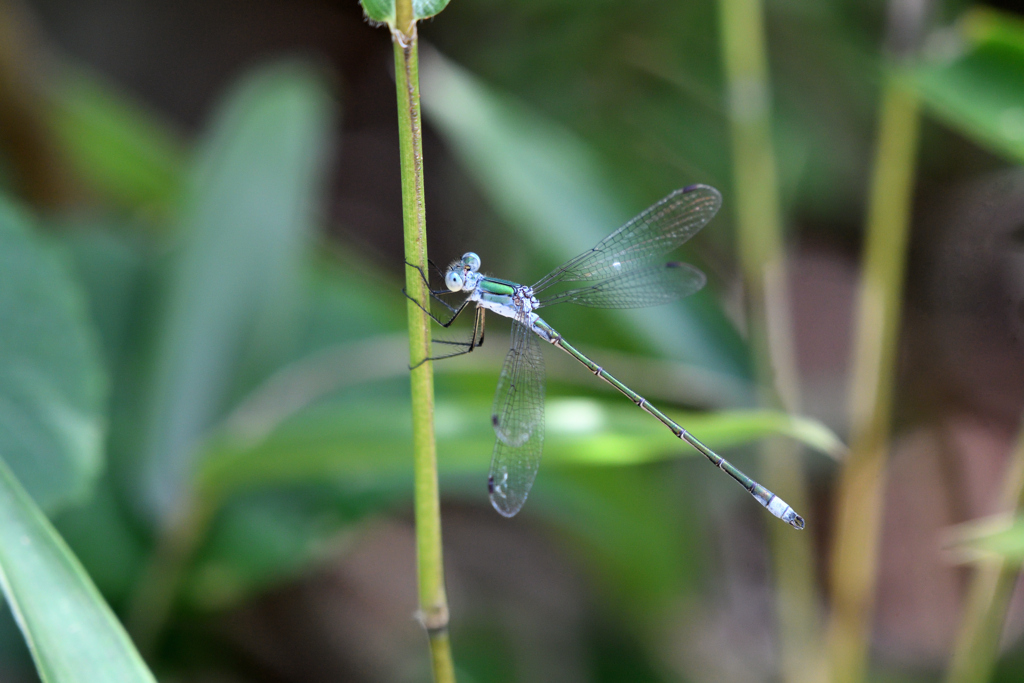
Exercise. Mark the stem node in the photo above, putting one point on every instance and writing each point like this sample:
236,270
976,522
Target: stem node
434,619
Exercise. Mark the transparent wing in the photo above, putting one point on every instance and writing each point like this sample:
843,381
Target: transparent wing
651,286
518,422
656,231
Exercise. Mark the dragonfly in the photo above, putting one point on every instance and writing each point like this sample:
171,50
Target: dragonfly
624,270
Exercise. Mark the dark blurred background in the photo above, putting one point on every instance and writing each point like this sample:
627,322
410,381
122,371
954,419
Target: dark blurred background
129,130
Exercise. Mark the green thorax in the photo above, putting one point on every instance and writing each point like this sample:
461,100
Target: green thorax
493,285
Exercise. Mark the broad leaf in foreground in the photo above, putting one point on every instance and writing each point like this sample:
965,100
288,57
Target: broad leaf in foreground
72,633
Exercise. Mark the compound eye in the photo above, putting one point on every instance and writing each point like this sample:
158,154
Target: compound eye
453,280
471,261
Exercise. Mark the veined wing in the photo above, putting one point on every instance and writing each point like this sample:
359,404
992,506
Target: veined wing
518,418
650,286
656,231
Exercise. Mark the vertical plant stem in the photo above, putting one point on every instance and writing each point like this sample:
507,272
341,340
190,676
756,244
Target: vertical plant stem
988,594
862,481
760,242
433,610
152,603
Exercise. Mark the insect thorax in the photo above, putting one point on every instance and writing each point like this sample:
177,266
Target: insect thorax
523,297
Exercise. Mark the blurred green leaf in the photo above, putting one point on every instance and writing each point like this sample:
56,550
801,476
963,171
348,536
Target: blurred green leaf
627,523
360,441
348,300
996,536
550,186
123,152
267,536
105,540
979,89
70,630
230,311
365,447
111,265
645,89
384,10
52,384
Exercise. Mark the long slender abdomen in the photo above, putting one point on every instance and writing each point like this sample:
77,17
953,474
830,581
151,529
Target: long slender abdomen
762,495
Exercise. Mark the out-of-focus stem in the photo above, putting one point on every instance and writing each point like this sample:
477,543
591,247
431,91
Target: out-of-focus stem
762,257
988,595
862,481
433,609
155,593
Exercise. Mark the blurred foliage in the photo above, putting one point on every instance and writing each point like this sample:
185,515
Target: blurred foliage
642,86
52,385
971,79
236,364
124,154
1000,536
230,288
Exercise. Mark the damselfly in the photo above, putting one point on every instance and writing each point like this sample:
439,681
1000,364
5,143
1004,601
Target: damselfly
622,271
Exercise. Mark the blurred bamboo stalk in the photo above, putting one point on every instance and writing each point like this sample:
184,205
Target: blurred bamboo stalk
760,241
988,594
433,609
862,481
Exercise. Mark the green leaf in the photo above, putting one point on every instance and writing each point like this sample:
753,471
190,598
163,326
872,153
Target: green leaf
110,265
52,384
70,630
550,186
996,536
230,310
105,540
384,10
121,151
424,9
368,441
979,89
628,525
362,448
268,536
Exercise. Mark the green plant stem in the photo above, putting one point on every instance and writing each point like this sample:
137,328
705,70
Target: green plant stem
157,588
430,565
862,481
988,594
760,242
